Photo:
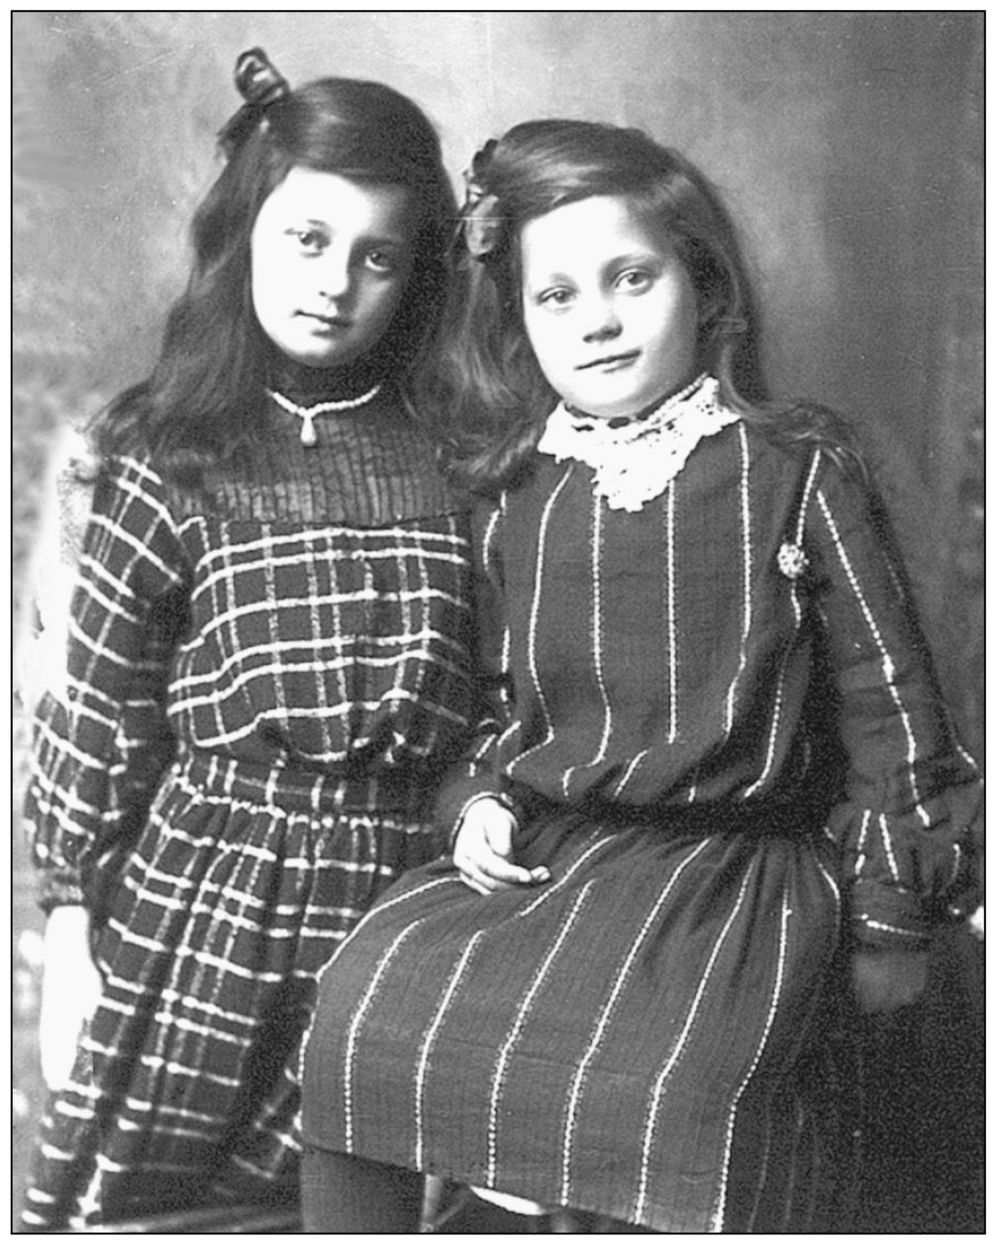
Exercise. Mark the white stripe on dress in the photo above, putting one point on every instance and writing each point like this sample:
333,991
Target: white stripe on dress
861,858
597,646
505,699
130,482
426,1046
482,750
670,566
603,1020
490,534
789,649
629,773
90,1202
729,712
886,840
830,880
555,888
313,600
514,1032
385,544
785,914
813,470
677,1049
672,689
144,554
534,618
371,915
778,698
356,1023
506,650
887,664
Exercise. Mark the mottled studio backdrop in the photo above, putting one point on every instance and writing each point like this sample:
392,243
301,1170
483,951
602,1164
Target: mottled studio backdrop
849,146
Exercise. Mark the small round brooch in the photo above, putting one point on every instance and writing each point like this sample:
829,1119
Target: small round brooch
792,560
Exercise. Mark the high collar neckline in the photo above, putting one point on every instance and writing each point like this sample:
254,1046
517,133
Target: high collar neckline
308,386
635,462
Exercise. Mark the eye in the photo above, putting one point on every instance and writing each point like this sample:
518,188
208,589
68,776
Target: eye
381,261
634,280
556,298
311,240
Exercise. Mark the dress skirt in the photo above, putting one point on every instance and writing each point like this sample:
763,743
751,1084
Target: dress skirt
654,1035
242,885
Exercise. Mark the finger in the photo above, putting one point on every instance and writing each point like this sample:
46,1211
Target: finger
493,869
504,872
472,883
480,880
492,874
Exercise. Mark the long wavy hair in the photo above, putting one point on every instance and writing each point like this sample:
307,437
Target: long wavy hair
204,403
485,381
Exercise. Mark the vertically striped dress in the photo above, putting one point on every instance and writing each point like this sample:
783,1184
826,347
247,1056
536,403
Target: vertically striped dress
280,668
719,728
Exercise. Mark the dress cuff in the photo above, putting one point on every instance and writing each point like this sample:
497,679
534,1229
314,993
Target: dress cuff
889,918
455,796
498,796
60,888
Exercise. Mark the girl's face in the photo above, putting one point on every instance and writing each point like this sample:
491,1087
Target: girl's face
330,260
610,311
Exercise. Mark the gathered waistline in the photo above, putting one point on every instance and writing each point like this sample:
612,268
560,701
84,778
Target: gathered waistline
294,788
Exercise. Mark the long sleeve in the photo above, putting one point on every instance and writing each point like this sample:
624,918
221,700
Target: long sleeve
52,571
100,747
477,773
912,791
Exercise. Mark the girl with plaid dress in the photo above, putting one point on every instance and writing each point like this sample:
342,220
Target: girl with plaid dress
267,662
623,994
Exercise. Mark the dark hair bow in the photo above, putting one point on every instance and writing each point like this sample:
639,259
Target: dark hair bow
481,218
260,85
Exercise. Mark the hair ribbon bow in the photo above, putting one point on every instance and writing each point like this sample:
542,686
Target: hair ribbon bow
481,218
260,85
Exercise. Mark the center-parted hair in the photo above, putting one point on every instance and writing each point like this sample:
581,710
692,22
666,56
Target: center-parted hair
205,400
487,383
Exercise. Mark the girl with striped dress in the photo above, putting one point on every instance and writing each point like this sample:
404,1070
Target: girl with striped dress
267,662
716,800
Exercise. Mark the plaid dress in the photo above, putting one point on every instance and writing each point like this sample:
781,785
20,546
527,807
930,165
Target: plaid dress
656,1035
263,686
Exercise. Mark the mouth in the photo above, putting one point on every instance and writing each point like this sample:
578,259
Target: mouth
326,323
611,362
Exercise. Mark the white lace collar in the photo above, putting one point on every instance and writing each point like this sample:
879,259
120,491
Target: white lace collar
634,461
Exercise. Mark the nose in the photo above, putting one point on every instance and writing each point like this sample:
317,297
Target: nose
335,274
601,320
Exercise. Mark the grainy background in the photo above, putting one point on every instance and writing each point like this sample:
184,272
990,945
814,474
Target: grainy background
848,144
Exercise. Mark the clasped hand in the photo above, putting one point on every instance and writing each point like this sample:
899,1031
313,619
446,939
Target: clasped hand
483,850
